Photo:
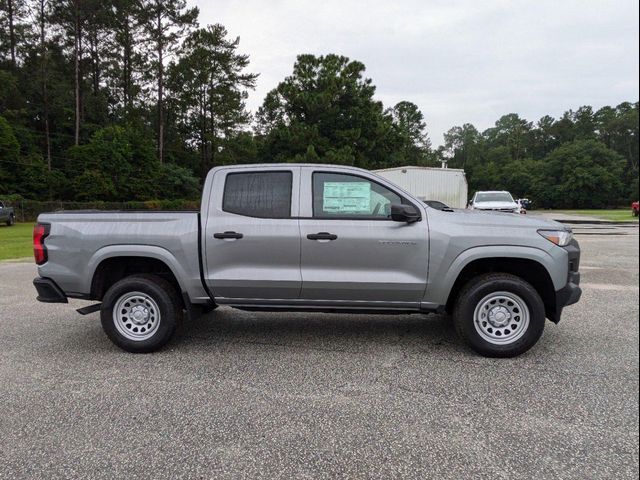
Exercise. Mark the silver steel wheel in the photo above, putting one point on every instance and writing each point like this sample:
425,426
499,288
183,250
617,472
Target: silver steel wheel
136,316
501,318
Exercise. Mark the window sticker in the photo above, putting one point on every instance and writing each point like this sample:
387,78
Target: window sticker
346,197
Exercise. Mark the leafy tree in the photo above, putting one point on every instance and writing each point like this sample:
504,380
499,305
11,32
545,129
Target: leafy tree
238,149
175,182
563,130
9,155
122,164
13,29
580,174
165,22
209,86
325,112
463,145
126,60
71,15
512,132
409,124
584,123
543,139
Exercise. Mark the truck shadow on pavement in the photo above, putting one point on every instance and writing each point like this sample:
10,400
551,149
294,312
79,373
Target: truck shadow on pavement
229,328
336,332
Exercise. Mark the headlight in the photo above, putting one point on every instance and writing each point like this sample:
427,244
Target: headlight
559,237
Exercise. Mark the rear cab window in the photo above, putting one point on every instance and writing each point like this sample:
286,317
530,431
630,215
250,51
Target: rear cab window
258,194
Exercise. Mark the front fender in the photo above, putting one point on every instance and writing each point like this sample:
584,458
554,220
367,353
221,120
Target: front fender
441,282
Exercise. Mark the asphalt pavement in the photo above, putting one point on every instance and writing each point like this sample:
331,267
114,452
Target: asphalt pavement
271,395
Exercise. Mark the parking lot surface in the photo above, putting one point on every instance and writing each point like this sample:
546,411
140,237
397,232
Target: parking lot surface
270,395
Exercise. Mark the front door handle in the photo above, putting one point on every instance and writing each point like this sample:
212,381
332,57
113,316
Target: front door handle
322,236
228,235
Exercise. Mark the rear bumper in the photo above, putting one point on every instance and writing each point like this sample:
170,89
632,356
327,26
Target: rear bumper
49,291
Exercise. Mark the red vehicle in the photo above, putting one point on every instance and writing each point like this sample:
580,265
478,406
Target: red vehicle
635,207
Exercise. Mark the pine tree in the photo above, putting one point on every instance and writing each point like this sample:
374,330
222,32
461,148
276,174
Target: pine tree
165,23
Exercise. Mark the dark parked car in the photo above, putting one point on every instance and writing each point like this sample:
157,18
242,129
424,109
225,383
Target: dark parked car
438,205
7,215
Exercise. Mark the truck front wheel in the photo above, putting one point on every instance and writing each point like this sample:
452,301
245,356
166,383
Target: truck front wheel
499,315
140,313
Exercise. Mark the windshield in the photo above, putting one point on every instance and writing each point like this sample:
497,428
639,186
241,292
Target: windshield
494,197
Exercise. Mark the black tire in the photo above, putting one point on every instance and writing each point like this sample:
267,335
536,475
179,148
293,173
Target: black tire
162,293
11,220
475,292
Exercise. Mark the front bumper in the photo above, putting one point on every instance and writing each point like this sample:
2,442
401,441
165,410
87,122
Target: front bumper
49,291
500,210
571,292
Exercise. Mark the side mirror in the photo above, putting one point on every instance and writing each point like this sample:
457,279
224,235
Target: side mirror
404,213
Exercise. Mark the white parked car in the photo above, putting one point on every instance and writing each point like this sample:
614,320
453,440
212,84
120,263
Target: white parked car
499,201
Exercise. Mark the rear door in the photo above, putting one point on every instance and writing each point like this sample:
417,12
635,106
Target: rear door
252,235
353,254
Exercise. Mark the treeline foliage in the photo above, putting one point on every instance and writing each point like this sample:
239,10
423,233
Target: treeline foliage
118,100
115,99
583,159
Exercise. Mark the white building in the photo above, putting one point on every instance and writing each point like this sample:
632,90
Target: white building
447,185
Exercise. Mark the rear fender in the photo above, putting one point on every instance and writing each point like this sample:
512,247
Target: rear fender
147,251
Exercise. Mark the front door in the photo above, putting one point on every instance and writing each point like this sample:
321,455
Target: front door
252,237
353,254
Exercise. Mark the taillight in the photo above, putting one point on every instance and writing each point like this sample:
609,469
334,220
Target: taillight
40,232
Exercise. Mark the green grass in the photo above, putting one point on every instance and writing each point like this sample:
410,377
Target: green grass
16,241
617,215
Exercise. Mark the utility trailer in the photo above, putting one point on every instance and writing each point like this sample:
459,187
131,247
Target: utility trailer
446,185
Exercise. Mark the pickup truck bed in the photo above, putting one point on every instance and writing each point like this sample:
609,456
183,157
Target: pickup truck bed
85,239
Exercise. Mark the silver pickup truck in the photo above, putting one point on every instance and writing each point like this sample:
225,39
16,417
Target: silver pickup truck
324,238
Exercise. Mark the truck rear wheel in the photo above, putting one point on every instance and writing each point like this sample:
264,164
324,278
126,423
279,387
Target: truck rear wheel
11,220
140,313
499,315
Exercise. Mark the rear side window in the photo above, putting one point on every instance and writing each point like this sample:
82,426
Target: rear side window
258,194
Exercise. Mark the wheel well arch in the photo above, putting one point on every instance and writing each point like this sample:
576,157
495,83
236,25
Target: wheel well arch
527,269
112,269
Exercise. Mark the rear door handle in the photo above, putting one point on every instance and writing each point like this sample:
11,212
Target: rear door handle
322,236
228,235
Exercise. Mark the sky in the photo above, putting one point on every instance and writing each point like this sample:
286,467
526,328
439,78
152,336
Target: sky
459,61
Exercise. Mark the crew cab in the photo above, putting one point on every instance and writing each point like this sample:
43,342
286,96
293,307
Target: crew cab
325,238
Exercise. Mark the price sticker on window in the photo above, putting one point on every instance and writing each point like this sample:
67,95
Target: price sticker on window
346,197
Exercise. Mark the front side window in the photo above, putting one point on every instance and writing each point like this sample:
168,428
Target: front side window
337,195
258,194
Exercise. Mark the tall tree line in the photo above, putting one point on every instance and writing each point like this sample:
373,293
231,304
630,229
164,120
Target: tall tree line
134,100
93,89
